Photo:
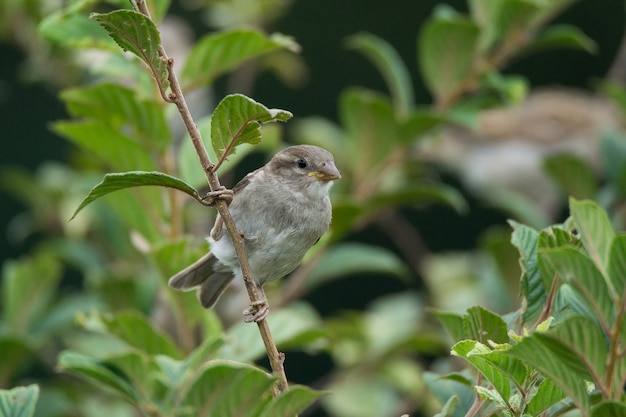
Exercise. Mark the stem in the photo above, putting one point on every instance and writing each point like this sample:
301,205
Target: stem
230,147
475,406
614,353
547,306
176,97
406,238
478,402
511,44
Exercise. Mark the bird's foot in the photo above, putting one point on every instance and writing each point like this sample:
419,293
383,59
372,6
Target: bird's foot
257,311
222,193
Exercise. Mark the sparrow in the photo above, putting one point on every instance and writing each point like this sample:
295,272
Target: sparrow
281,210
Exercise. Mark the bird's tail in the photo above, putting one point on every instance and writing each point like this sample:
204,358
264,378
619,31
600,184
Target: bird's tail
211,281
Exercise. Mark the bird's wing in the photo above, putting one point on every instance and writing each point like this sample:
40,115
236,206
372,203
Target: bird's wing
218,228
245,181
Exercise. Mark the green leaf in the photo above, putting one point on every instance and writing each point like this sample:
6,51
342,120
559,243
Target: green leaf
416,194
613,151
447,48
617,266
448,407
595,230
200,355
19,401
553,237
174,255
616,92
119,106
507,19
510,89
547,394
561,36
112,147
28,288
452,322
297,325
190,169
227,388
482,325
525,239
514,370
123,180
96,371
555,361
473,352
445,388
619,374
140,370
576,269
572,174
129,209
345,214
159,9
500,369
136,33
354,258
360,396
391,323
390,65
218,53
122,69
15,354
494,397
550,9
424,120
70,27
371,127
609,408
238,119
291,402
135,330
584,338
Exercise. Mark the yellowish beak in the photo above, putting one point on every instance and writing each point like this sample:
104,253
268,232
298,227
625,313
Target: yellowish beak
327,172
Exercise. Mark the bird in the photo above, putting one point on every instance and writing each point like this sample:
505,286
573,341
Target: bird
280,210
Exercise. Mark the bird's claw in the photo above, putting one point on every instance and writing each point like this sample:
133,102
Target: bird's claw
222,193
257,311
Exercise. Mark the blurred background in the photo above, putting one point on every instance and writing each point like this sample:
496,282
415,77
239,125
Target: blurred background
395,250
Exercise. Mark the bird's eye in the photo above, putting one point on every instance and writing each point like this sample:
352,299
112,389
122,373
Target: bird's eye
301,163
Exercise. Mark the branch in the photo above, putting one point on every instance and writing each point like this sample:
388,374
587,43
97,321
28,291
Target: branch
176,96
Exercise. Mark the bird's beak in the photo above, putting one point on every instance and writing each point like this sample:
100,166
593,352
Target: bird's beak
327,172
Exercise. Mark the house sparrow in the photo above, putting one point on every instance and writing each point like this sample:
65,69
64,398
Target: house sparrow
281,210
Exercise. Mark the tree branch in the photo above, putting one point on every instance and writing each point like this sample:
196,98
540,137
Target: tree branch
176,96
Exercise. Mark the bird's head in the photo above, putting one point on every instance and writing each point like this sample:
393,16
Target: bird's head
305,165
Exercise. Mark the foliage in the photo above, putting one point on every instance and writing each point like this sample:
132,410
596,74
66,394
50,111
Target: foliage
91,301
149,373
18,402
457,53
577,178
562,349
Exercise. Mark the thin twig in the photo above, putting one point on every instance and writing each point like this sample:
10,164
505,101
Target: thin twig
176,96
